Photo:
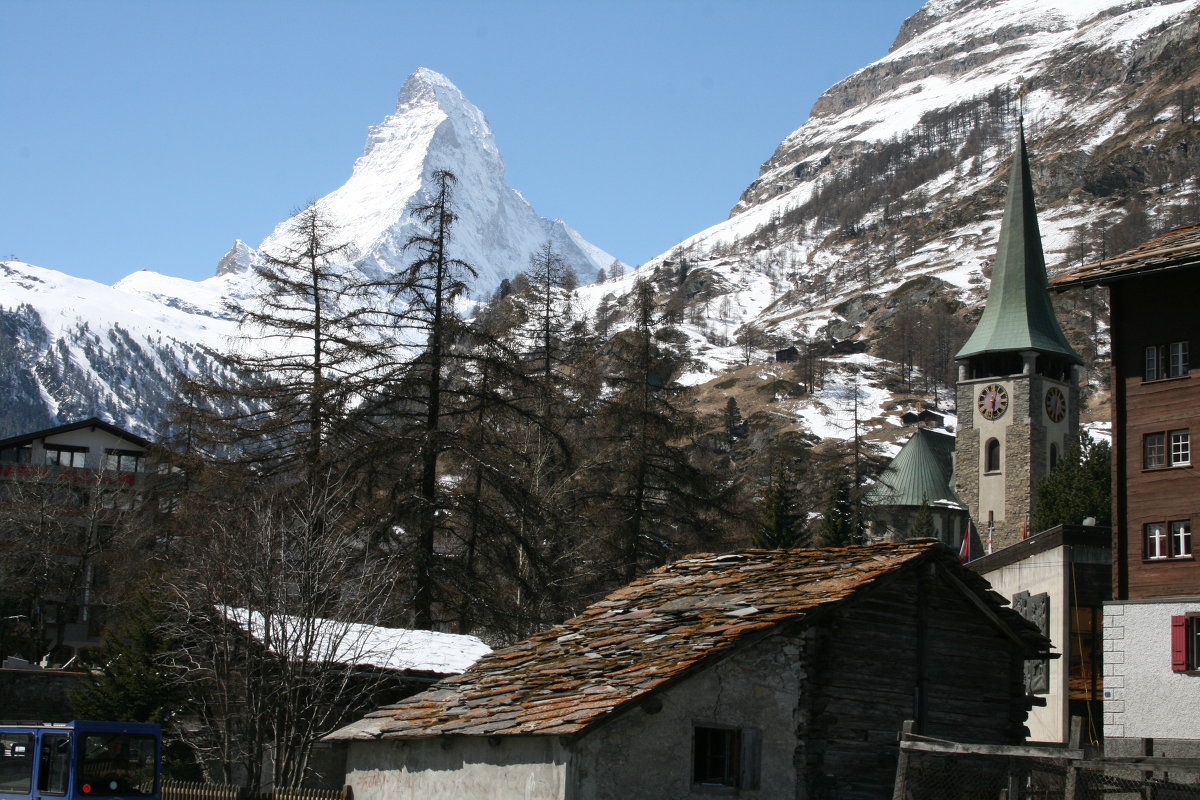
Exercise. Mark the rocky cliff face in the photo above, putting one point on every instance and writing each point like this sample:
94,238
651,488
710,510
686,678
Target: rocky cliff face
867,238
900,170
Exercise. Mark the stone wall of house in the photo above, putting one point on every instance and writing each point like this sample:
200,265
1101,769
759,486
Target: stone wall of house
897,523
647,751
1143,697
458,768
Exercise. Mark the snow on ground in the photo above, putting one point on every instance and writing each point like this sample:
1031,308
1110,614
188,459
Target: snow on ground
354,643
1099,431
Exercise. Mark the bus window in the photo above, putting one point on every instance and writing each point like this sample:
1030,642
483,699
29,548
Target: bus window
54,763
116,763
16,762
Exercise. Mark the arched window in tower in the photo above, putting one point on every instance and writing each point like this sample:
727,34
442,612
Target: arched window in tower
1053,455
991,457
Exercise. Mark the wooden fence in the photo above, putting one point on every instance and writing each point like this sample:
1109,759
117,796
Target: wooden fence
937,769
187,790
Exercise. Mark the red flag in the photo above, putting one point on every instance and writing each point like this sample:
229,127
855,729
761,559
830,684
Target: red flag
964,549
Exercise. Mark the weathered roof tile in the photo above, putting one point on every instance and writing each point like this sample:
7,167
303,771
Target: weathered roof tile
571,676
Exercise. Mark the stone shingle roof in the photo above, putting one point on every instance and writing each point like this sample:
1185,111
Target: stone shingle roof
1018,315
658,629
1175,249
920,472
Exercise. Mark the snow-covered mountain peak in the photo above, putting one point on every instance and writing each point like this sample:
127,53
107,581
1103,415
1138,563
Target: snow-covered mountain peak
434,127
426,99
890,194
238,259
426,87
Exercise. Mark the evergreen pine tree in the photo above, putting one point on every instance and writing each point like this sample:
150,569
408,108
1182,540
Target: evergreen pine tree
1079,486
838,528
732,419
133,682
782,523
923,523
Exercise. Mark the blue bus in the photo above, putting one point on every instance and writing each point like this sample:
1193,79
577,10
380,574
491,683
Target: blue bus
81,759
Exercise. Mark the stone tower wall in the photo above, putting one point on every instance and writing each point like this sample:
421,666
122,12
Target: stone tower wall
1026,433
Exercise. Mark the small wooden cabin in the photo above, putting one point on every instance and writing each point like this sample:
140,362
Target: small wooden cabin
760,674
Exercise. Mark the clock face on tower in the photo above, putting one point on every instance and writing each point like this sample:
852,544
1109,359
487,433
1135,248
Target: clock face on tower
993,401
1056,404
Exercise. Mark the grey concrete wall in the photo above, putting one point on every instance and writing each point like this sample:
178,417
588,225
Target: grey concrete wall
1142,696
458,768
647,752
1044,572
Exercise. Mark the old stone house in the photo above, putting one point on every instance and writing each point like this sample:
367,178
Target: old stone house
757,674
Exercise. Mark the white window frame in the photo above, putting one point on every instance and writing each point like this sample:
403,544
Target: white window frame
1181,448
1193,642
1180,535
1164,361
1177,362
1154,450
1153,370
1156,544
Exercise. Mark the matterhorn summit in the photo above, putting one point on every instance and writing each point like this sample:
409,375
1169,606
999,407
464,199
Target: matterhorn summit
434,127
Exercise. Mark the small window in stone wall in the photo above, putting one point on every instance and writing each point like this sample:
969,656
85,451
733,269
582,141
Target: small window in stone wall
991,461
1036,609
725,757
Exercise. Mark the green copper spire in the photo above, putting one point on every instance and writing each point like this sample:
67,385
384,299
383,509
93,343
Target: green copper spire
1018,315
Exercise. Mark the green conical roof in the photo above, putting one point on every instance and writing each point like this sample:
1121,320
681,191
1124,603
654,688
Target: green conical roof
1018,315
920,473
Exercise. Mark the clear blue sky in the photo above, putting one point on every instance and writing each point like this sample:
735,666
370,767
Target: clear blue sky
152,134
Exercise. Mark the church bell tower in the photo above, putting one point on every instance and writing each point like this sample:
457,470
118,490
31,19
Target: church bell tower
1018,379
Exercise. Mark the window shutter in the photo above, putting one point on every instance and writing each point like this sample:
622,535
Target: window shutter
1179,644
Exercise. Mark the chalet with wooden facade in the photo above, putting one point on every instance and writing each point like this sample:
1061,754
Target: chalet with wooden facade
757,674
62,490
1152,624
